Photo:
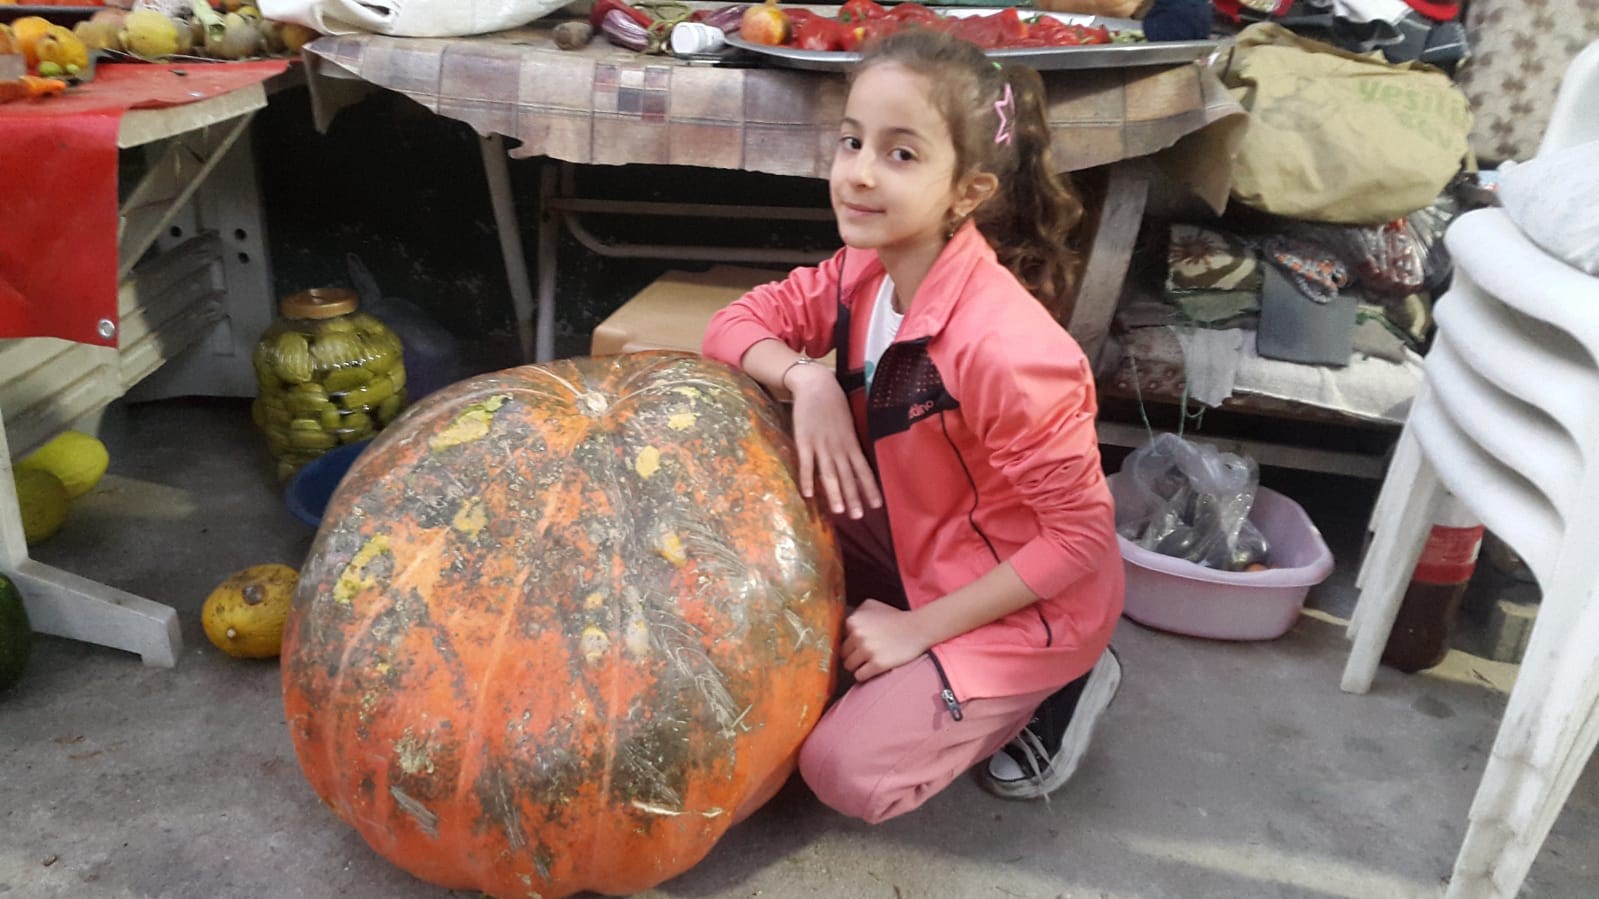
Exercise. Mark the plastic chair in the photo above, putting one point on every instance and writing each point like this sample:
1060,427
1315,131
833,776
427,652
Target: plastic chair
1571,119
1507,421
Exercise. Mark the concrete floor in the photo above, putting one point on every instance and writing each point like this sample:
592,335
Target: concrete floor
1223,770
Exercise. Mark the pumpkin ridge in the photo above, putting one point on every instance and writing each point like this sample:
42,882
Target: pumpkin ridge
339,672
471,769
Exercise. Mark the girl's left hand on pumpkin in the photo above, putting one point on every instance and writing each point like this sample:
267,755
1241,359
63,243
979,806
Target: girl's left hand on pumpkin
879,638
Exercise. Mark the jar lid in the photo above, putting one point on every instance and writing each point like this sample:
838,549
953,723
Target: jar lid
319,302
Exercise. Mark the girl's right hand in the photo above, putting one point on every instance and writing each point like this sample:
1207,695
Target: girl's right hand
824,434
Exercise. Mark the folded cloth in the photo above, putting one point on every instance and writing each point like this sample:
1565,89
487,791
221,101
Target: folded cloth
1210,360
1217,308
1317,272
1368,388
1437,10
1375,337
1446,45
1205,259
1552,198
1178,20
1404,29
1370,10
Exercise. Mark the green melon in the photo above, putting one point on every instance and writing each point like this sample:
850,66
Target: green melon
16,635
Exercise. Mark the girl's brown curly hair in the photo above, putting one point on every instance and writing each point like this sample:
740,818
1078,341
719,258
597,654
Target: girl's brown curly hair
1030,219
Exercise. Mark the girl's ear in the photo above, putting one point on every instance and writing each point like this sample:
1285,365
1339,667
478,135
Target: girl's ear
972,191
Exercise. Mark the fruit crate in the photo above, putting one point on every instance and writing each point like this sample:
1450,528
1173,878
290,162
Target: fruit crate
194,288
165,306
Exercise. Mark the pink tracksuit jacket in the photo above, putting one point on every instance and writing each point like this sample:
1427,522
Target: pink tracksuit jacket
980,424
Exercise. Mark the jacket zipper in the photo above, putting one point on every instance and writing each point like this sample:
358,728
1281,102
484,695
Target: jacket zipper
948,693
1049,632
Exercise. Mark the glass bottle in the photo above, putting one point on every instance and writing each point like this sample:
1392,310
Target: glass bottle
328,374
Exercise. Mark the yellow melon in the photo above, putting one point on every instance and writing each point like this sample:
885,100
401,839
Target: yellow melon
76,458
43,502
244,615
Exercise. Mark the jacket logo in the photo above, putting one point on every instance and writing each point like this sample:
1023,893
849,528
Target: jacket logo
919,409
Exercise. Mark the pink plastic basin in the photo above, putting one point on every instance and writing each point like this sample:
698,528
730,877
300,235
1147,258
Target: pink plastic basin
1176,595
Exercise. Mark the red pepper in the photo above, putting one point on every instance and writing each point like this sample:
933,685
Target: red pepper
601,7
1052,32
1010,25
817,33
912,12
858,11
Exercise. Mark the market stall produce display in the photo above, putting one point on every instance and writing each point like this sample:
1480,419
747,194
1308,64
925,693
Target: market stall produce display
60,44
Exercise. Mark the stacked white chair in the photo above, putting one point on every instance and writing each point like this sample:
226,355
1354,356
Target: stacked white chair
1508,421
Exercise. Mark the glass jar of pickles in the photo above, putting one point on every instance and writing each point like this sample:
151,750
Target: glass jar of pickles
328,374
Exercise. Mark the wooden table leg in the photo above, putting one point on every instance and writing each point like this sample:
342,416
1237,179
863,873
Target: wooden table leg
1110,253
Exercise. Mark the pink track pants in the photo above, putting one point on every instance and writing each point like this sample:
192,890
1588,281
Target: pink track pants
889,744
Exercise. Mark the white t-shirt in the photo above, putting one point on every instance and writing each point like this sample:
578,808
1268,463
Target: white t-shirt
883,327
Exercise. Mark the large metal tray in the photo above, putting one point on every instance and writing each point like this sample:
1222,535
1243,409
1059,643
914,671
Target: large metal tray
1044,59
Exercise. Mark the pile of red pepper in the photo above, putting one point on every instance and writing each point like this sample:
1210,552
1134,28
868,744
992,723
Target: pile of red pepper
861,20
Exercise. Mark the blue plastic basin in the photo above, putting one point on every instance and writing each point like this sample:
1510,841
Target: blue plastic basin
312,486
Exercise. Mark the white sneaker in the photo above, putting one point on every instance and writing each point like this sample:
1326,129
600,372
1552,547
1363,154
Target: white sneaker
1045,754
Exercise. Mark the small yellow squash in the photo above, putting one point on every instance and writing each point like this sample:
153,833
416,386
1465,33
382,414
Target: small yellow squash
244,615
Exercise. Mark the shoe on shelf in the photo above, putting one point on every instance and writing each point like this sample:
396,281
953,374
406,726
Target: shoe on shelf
1045,754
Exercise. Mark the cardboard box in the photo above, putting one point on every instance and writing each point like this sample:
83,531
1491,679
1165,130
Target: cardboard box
672,312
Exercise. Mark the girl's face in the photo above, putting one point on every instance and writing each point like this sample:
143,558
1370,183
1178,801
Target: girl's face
893,183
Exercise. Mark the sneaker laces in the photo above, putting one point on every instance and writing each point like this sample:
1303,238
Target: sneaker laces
1031,747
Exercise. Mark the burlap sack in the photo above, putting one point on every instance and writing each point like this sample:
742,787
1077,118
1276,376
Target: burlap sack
1340,137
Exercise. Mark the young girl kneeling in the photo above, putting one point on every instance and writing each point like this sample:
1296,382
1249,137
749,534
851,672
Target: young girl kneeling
985,612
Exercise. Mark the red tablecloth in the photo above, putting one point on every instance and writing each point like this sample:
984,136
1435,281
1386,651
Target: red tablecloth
58,191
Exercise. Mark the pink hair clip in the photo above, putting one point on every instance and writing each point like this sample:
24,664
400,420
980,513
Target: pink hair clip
1006,108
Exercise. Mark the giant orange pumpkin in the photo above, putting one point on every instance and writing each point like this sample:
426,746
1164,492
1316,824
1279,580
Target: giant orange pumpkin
562,625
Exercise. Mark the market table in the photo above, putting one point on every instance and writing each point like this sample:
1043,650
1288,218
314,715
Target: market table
602,105
98,290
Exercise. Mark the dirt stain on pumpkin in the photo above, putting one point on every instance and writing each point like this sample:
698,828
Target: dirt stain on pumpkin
595,643
683,645
424,817
369,704
412,752
355,577
472,517
472,424
497,795
648,462
636,637
709,813
672,549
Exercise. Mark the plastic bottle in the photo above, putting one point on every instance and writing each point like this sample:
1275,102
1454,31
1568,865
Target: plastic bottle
1426,620
432,354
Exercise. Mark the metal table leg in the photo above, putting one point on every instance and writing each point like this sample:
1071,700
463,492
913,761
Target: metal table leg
510,232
